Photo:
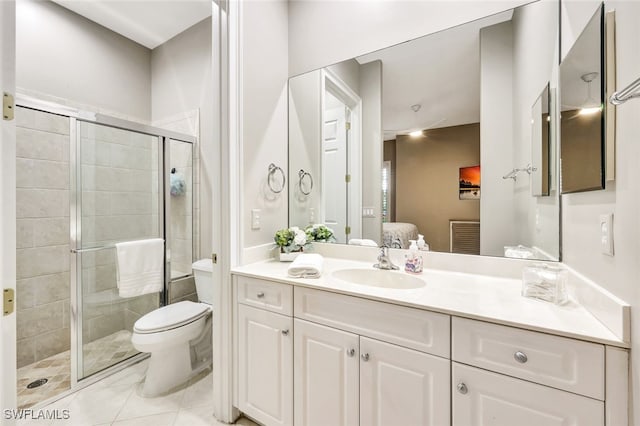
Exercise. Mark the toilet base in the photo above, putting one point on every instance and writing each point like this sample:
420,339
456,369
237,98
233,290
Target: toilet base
174,365
167,369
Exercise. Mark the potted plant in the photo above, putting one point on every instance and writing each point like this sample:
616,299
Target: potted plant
293,241
320,233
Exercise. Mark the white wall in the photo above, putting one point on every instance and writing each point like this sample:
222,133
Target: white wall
305,132
61,54
325,32
498,220
182,81
371,94
535,59
580,222
264,39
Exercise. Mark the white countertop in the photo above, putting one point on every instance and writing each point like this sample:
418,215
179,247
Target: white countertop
481,297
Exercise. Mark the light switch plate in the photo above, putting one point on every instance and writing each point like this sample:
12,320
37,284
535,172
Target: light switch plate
606,233
255,218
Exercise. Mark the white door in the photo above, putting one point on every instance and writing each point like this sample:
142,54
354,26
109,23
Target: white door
326,376
334,166
483,398
400,386
265,366
8,211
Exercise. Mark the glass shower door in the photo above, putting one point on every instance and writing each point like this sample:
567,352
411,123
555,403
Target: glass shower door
180,207
118,198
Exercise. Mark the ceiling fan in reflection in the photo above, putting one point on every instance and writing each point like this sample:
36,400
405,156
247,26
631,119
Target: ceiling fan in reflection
590,105
417,131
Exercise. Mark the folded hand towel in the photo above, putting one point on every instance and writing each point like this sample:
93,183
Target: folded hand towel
307,265
139,266
519,252
362,242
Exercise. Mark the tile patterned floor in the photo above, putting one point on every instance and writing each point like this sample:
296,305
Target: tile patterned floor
98,355
107,351
55,368
116,401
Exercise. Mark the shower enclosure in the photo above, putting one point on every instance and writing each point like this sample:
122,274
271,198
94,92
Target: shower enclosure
124,181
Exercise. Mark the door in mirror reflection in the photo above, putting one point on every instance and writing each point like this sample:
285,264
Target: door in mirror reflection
335,124
582,111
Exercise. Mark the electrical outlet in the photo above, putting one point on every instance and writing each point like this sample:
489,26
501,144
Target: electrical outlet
255,219
368,212
606,233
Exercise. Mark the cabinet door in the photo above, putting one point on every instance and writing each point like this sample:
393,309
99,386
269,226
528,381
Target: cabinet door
326,376
483,398
265,366
400,386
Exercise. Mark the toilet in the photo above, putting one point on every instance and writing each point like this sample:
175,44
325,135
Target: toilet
175,335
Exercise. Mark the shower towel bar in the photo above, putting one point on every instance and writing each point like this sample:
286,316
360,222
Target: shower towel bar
90,249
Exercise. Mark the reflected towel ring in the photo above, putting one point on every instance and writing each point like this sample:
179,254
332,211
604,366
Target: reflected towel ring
301,175
272,170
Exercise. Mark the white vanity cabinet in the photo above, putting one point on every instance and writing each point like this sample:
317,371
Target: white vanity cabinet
326,375
345,374
535,378
343,379
264,351
310,357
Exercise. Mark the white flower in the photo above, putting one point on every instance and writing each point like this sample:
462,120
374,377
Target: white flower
294,229
300,238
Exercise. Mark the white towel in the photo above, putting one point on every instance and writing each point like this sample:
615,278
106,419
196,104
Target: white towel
139,266
362,242
519,252
307,265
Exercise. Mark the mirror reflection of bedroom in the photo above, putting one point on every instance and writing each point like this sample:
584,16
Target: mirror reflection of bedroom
435,137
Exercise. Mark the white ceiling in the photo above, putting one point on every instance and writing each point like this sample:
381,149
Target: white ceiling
147,22
440,71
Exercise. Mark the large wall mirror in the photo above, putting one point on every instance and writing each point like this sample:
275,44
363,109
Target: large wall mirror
434,137
582,110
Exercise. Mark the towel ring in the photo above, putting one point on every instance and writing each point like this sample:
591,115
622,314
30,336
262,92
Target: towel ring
301,175
272,171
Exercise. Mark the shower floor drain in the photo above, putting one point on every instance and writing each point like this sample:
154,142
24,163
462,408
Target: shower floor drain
37,383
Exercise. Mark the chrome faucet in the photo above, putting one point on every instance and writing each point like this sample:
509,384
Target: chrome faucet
384,262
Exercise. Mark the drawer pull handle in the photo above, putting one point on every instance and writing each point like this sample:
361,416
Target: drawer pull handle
351,352
260,295
285,332
365,357
462,388
521,357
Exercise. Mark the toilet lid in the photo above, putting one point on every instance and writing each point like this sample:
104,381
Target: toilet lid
170,316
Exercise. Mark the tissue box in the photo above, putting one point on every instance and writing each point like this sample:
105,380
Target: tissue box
545,282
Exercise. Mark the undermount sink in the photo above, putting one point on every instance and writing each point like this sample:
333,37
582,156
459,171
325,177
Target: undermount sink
378,278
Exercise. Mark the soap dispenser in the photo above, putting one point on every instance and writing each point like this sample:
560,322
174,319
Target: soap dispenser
422,244
413,260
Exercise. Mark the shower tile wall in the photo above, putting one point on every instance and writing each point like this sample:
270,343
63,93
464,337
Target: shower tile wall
42,203
119,203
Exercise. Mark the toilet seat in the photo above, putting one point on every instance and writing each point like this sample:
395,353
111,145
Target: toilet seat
170,316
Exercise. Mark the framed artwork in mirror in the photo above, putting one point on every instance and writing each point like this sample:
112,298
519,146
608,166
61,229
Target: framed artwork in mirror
469,182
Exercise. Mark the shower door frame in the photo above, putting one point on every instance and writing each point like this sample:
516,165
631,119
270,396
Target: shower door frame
76,116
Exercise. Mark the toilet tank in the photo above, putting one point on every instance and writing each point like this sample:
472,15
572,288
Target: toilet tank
203,274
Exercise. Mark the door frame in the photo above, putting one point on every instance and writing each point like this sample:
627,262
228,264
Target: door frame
338,88
8,356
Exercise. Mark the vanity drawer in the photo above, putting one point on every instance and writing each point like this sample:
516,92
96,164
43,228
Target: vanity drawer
560,362
412,328
269,295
